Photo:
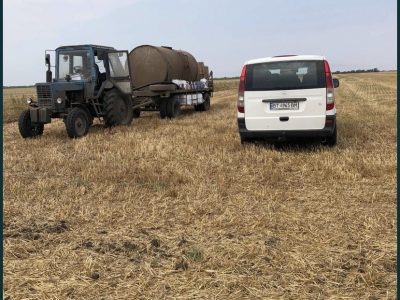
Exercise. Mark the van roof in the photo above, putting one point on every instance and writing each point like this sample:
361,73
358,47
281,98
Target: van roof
284,58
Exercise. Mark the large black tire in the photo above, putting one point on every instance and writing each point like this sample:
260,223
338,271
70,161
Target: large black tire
332,139
206,104
163,108
136,113
117,108
173,107
26,128
90,117
77,123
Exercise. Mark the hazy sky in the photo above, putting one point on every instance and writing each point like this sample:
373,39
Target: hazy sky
223,33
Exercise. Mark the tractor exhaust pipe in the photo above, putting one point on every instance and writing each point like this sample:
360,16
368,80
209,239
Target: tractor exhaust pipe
49,74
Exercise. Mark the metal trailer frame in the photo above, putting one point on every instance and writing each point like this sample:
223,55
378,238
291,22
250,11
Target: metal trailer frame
148,97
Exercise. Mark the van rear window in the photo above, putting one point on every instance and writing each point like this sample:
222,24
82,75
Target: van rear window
285,75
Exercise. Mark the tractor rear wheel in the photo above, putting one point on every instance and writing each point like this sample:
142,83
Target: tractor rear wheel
117,108
26,128
77,123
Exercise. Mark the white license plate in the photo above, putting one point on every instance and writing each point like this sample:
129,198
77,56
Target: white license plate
290,105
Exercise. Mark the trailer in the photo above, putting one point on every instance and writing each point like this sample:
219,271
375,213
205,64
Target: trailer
167,79
168,98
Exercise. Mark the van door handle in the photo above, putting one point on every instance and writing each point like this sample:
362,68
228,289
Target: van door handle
284,119
284,100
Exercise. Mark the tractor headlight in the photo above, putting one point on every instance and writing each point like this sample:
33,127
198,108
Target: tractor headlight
59,100
29,100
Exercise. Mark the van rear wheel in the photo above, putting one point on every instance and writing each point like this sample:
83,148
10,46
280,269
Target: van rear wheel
244,140
332,139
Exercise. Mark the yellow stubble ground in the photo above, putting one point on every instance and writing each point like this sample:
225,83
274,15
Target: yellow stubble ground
180,209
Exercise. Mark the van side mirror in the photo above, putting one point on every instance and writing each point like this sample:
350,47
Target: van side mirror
335,82
47,59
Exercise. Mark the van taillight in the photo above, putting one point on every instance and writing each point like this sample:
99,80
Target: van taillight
330,97
240,101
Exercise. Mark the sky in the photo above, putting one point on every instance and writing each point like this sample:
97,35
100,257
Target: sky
351,34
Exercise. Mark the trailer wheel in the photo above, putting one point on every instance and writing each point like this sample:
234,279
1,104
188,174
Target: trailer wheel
206,104
136,113
163,108
118,108
77,123
26,128
173,107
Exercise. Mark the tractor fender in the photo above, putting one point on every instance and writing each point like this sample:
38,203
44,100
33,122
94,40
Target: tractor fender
108,84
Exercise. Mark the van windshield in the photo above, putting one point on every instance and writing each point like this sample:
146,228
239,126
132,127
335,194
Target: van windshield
285,75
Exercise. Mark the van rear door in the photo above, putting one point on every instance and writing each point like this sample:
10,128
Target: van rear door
285,95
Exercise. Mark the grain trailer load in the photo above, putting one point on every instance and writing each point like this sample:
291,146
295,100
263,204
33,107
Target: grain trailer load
151,64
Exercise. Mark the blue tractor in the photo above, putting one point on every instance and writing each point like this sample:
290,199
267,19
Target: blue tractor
90,81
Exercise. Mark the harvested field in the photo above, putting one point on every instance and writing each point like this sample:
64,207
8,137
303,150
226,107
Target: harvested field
15,102
180,209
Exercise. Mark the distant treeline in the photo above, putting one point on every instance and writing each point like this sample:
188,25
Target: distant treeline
18,86
358,71
226,78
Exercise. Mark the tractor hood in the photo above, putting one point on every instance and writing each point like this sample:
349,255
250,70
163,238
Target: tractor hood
56,95
68,85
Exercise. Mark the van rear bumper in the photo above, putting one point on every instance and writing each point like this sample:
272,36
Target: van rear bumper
330,124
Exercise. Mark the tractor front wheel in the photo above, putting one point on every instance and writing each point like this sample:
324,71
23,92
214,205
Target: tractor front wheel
77,123
26,128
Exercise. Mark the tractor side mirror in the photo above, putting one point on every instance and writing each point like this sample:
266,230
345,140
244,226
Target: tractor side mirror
47,59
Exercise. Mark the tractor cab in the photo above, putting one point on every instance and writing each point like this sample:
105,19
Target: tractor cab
84,65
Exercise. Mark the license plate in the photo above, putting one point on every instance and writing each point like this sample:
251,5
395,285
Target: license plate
289,105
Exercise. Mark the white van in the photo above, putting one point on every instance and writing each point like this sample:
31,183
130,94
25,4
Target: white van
290,96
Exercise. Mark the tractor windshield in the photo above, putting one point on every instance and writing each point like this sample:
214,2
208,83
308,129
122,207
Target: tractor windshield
75,63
